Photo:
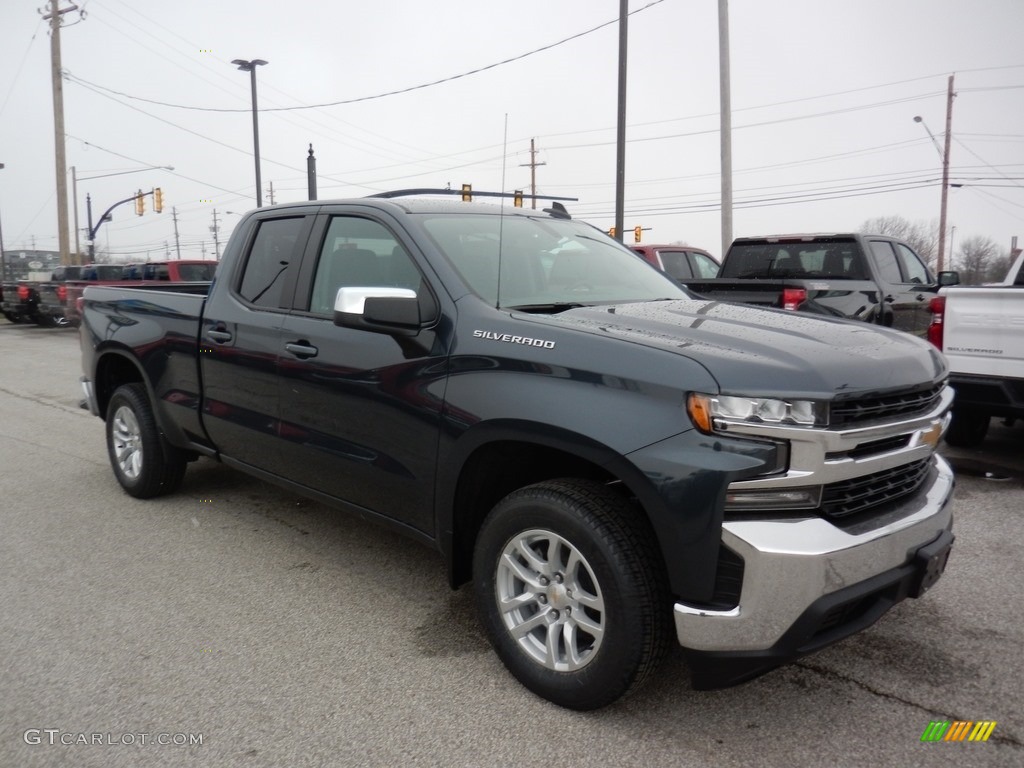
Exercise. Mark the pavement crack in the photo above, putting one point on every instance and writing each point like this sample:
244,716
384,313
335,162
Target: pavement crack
997,736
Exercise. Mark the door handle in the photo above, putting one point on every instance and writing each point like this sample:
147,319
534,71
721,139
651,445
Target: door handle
220,336
301,349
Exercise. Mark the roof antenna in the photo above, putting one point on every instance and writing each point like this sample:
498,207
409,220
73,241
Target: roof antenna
501,216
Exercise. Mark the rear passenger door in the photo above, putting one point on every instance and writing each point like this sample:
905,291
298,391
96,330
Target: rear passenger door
240,338
902,301
360,410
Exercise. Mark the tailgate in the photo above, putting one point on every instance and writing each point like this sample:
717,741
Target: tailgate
984,330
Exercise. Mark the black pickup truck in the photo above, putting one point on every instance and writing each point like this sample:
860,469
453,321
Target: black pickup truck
19,301
873,278
53,296
609,460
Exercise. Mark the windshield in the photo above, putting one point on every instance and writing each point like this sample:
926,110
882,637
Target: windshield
545,263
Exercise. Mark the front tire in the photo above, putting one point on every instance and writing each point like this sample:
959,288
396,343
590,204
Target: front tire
144,465
569,585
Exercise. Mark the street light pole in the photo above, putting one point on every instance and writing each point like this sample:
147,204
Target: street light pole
250,67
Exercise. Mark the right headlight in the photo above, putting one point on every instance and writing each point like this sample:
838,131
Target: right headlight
713,413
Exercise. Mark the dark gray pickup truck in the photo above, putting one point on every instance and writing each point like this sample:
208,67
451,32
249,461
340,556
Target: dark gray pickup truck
873,278
610,461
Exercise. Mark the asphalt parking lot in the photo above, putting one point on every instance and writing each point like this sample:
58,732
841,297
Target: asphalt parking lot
233,624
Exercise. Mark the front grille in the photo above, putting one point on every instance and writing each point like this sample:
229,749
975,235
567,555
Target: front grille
842,499
888,406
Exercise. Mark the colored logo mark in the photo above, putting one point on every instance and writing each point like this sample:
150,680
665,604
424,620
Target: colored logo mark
958,730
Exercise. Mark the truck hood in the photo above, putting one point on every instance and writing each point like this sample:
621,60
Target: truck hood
767,352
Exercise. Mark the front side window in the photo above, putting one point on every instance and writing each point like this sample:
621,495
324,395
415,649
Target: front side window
914,269
359,252
544,264
271,257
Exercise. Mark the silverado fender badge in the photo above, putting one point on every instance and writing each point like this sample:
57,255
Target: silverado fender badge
508,338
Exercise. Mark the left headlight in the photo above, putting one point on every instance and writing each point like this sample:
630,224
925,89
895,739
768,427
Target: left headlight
713,413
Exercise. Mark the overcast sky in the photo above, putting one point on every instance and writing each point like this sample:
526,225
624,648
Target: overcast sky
824,93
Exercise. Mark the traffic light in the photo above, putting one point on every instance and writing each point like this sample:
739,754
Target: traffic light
158,200
140,203
467,193
611,231
517,199
637,233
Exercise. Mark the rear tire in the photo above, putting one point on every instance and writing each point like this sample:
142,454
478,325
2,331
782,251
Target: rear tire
143,463
570,587
967,429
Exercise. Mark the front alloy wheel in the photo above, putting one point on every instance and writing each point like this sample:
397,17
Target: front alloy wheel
571,589
550,600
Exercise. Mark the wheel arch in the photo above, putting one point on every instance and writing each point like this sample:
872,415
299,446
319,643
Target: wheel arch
494,459
114,368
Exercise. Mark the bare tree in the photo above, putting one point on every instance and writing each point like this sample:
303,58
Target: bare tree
998,267
974,258
919,235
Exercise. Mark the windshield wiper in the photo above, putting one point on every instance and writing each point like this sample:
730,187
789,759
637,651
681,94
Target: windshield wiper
553,307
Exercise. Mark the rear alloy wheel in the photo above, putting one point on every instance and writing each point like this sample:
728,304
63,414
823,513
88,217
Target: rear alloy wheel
143,464
570,588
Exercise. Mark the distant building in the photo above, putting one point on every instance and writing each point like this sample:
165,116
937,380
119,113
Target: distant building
20,262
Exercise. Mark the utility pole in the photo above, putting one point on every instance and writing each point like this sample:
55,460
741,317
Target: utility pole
945,176
620,137
533,172
74,199
270,193
214,228
725,116
311,175
177,241
58,130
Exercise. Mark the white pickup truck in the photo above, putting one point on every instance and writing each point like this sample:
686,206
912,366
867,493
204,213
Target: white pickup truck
980,329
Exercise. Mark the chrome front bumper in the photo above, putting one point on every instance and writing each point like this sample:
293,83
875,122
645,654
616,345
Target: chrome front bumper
790,564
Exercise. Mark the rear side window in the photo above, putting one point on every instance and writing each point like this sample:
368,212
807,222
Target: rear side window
704,266
675,264
885,260
272,257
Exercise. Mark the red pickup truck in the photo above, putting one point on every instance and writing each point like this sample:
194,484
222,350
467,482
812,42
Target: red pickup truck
181,271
